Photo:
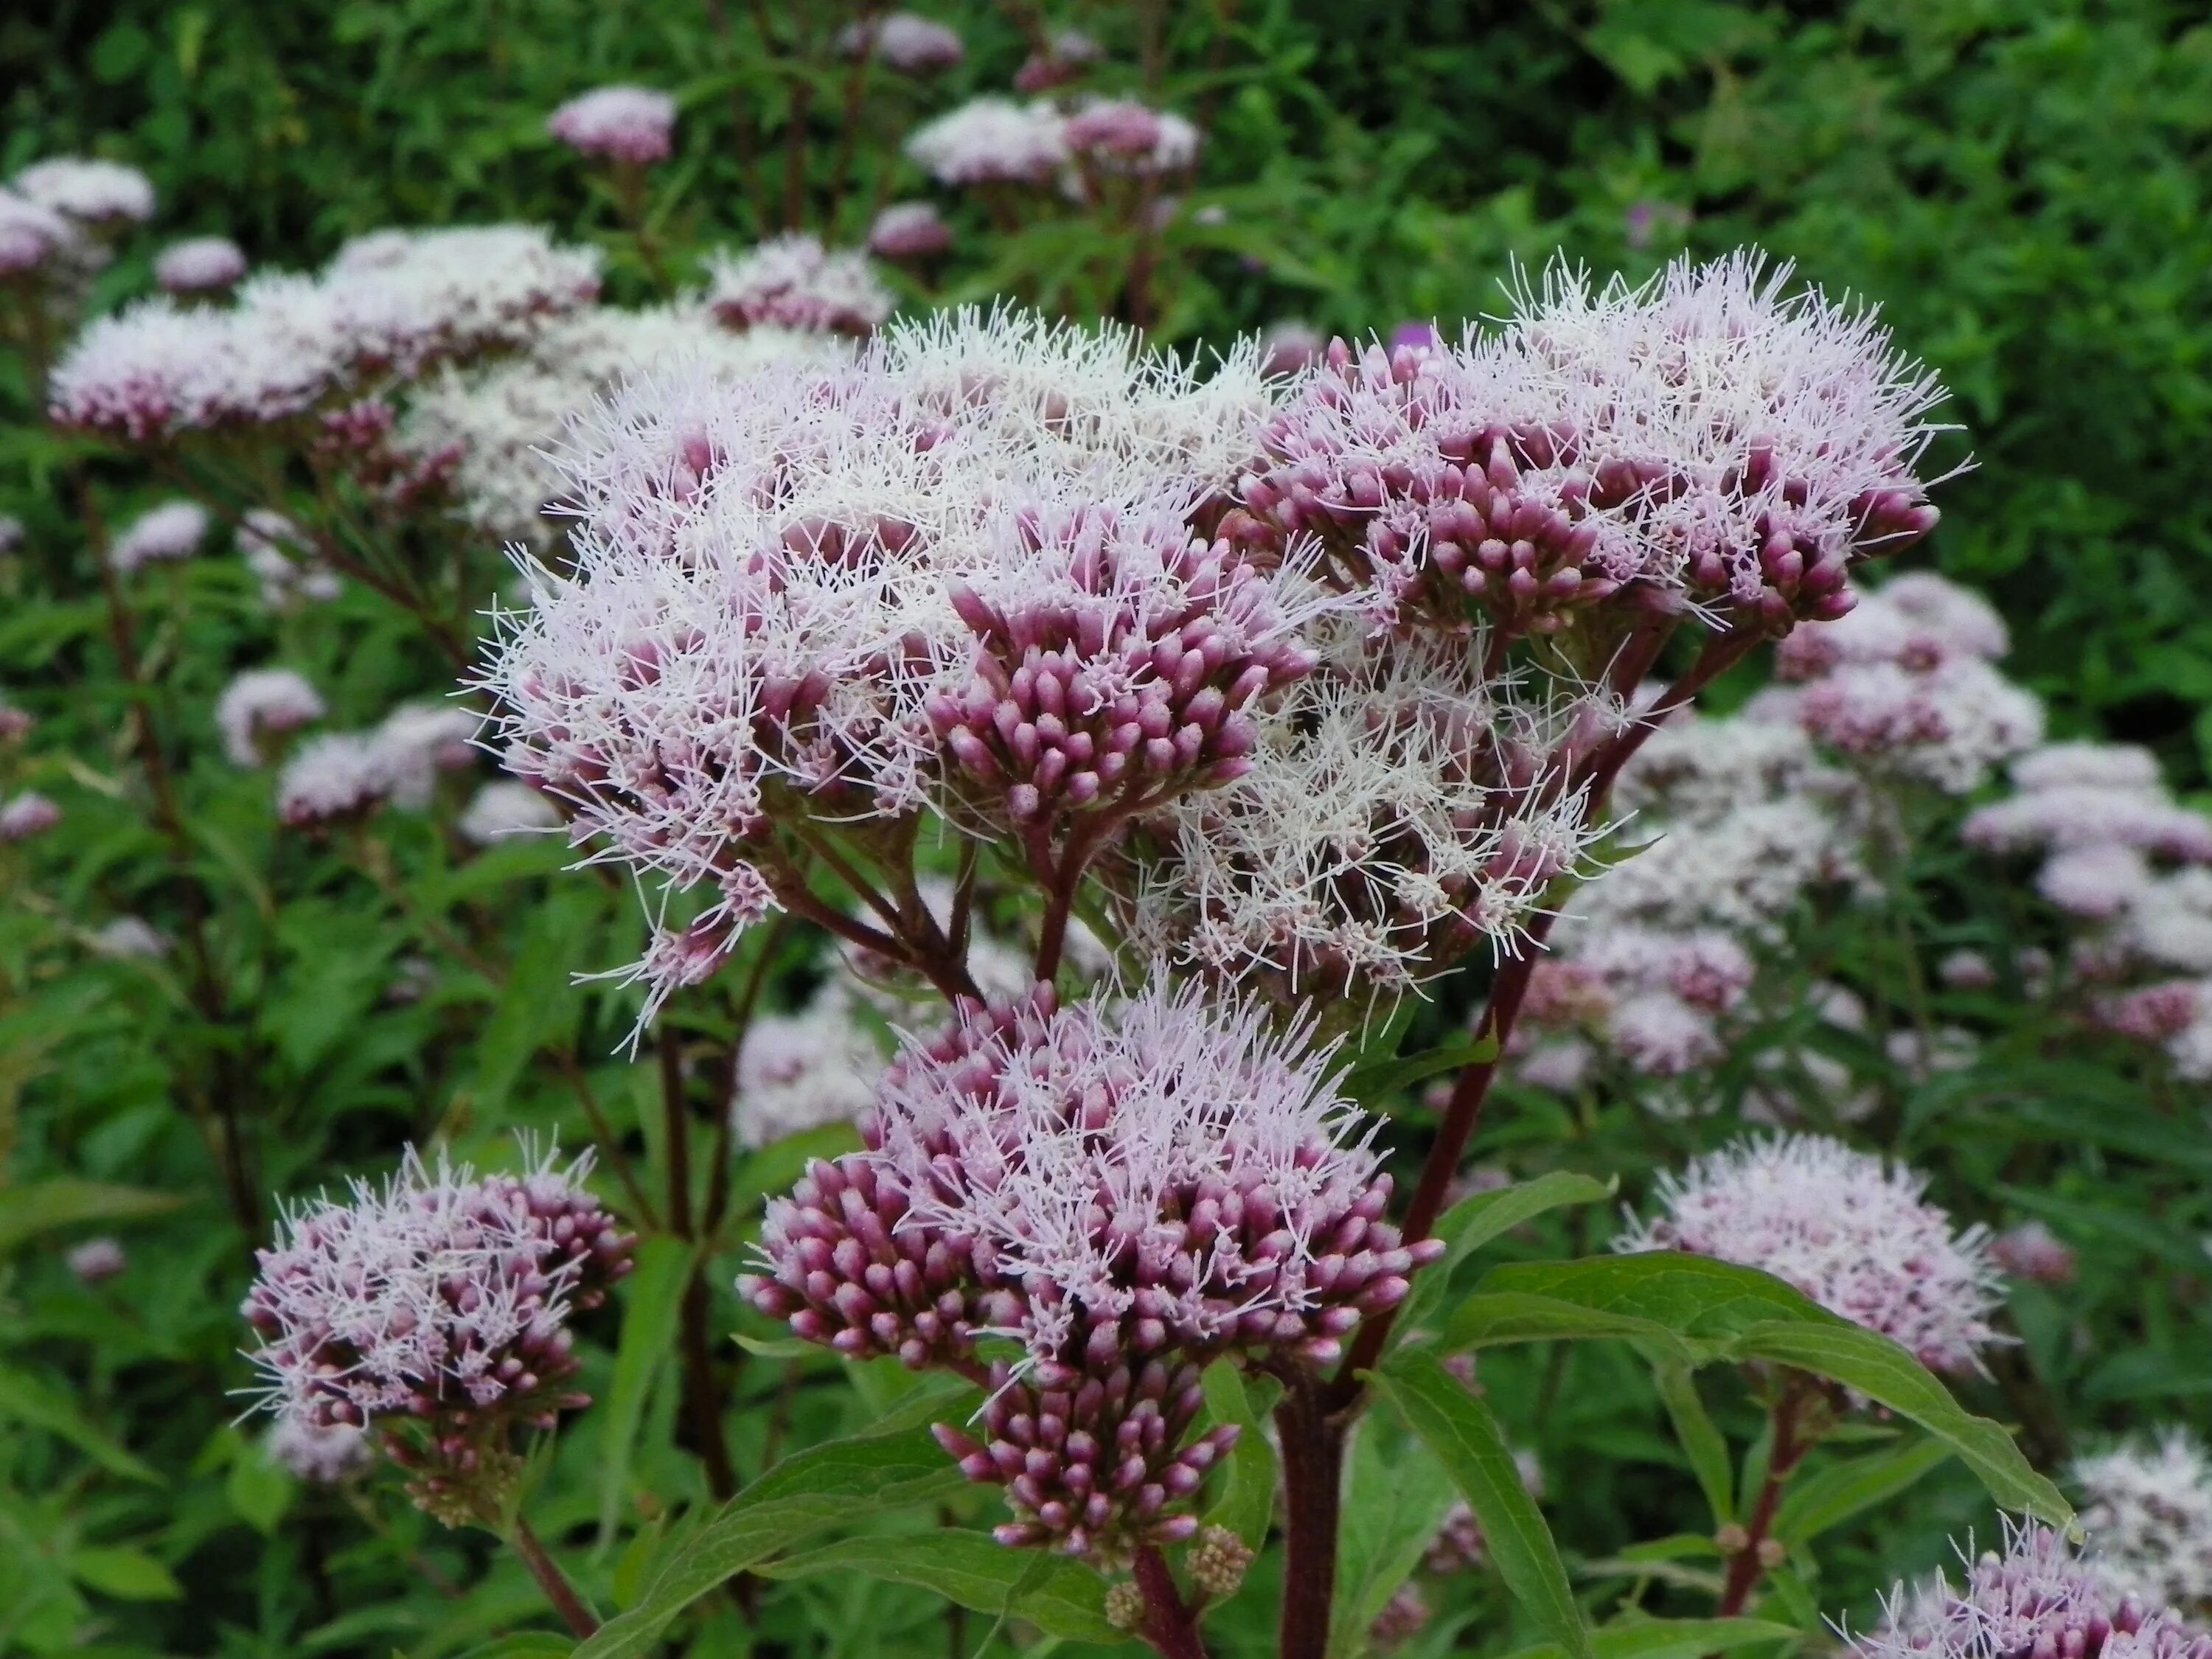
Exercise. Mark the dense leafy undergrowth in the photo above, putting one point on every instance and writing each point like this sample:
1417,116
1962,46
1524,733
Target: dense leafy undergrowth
1888,971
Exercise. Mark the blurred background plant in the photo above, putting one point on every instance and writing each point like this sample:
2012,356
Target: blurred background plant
200,1007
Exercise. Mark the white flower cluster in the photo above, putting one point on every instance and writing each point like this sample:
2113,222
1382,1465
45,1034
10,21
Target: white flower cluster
163,535
1854,1234
992,141
261,704
1400,811
2148,1507
391,303
764,596
497,426
2132,868
794,283
1907,684
350,775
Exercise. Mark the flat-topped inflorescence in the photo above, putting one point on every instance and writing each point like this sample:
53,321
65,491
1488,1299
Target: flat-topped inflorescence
1705,442
435,1309
1127,1195
783,592
2035,1597
632,124
1853,1233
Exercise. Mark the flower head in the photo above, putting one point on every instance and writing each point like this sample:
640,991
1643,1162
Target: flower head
200,265
909,230
166,534
1702,440
2036,1596
624,124
90,191
96,1260
793,282
776,583
992,141
26,816
1127,1194
2148,1507
1396,812
909,43
1066,54
434,1308
1119,135
131,937
261,704
805,1071
1852,1233
322,1457
502,810
32,237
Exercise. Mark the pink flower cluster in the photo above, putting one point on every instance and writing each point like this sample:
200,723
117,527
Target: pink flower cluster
1118,662
792,282
1852,1233
260,707
1706,441
1907,683
2035,1597
347,777
1130,1195
632,124
163,535
1120,136
992,141
200,265
434,1308
909,230
2132,869
393,303
911,45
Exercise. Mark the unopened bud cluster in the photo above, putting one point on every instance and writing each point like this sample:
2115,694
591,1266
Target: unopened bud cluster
1129,1195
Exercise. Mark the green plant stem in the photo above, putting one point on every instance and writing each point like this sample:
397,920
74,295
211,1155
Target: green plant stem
701,1398
583,1624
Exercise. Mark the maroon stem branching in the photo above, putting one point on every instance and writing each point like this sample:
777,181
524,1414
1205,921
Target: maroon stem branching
1790,1444
1171,1623
583,1624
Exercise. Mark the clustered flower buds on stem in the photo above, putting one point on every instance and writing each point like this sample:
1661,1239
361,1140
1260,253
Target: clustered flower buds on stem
433,1310
1127,1195
2036,1596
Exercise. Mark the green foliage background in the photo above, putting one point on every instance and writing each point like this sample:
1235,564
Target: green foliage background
2021,184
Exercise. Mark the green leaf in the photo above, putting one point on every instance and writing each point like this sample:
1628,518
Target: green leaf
1395,1496
27,1400
1379,1080
41,1207
1468,1226
651,1297
1489,1319
1702,1443
1245,1502
1879,1368
1706,1302
127,1575
816,1489
1670,1638
1060,1597
258,1489
1817,1503
1465,1438
523,1644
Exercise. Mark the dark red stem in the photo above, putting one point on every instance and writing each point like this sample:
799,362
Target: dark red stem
1312,1437
1170,1624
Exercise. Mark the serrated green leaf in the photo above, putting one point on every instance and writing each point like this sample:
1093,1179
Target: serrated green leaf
1466,1439
1817,1503
1395,1496
816,1489
26,1399
1879,1368
1705,1302
1060,1597
652,1297
1245,1500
